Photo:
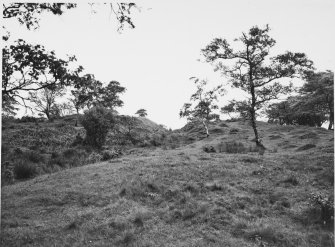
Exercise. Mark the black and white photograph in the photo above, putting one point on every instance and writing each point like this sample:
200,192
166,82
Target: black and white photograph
167,123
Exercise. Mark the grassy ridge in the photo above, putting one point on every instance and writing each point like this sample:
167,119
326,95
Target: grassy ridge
184,196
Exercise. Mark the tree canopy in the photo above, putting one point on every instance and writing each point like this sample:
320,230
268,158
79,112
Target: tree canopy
142,112
28,67
318,94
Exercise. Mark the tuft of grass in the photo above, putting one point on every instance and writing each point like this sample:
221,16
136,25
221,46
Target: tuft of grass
24,170
291,180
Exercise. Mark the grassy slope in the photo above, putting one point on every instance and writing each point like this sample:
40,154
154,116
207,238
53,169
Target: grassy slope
181,197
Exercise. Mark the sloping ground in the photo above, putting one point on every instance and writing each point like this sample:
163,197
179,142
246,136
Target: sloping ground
183,197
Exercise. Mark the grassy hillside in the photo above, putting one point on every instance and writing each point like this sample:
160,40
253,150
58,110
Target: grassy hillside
216,191
34,148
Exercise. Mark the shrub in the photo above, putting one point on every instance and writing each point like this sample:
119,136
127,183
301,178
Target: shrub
326,204
209,149
24,170
57,159
109,154
96,122
155,141
8,175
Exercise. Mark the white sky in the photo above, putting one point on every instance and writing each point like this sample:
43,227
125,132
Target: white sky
155,60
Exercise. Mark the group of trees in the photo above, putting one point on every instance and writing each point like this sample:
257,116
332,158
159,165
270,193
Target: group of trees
250,69
30,73
313,106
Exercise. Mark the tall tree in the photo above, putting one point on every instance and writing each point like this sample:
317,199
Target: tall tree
318,93
90,92
109,96
251,70
204,103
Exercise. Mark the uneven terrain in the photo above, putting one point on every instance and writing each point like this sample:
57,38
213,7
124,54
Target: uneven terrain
184,196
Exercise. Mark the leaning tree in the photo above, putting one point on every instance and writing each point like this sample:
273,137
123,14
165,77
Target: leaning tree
251,69
203,104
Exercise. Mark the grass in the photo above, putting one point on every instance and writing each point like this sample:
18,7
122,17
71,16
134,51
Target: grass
179,197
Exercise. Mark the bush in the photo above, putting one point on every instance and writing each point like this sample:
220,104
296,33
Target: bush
209,149
327,206
96,122
7,176
109,154
155,141
23,170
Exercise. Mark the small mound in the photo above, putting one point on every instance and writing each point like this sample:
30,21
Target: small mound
274,137
234,131
306,147
310,135
289,146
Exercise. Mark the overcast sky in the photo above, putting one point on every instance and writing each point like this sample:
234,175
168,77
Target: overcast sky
155,60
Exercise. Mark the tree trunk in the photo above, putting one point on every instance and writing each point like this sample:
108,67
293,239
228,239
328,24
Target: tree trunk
253,116
206,128
47,114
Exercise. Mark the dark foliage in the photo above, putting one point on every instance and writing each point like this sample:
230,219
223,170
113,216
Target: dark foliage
97,121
